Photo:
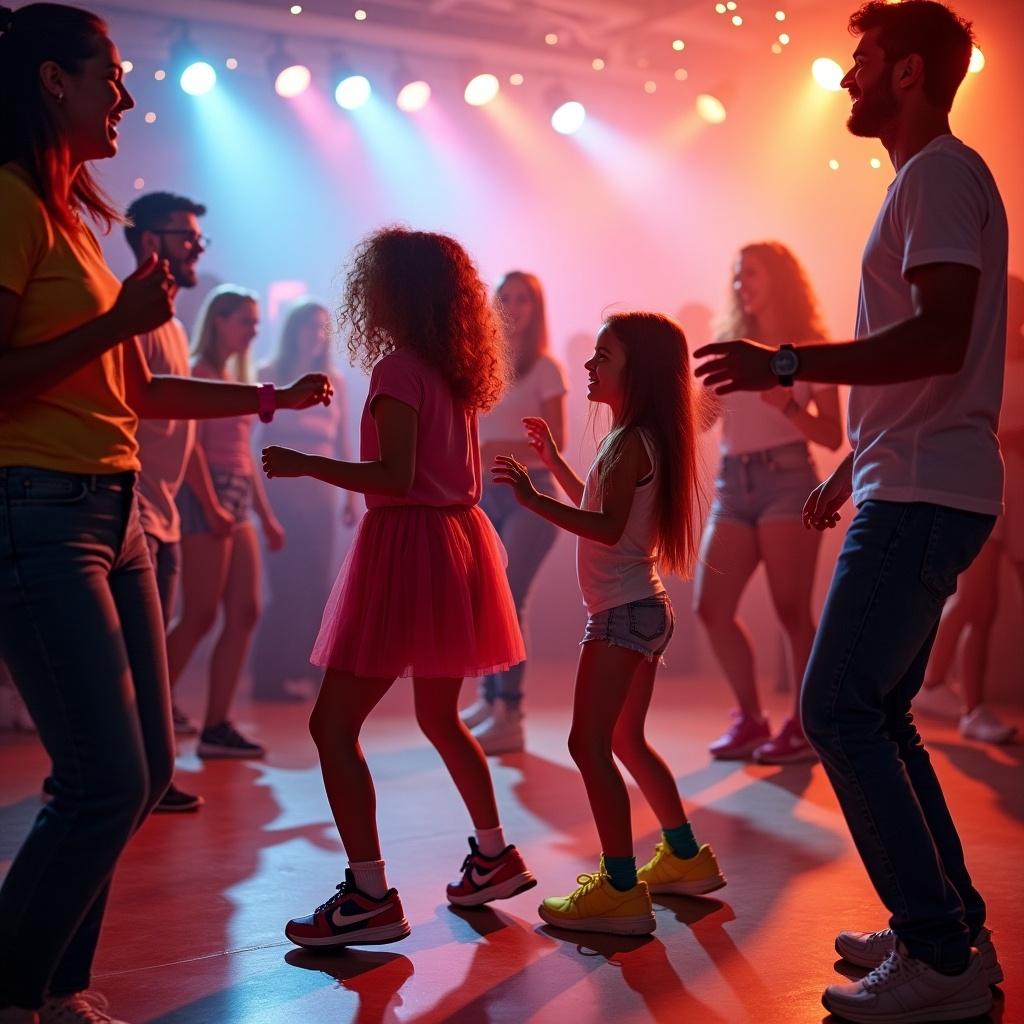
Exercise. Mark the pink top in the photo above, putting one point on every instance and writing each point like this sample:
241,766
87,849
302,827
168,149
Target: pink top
447,444
225,441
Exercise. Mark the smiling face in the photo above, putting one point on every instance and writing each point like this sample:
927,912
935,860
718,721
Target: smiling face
869,83
607,370
752,285
518,306
90,101
180,242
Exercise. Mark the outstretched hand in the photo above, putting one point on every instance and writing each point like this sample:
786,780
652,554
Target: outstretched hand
507,470
541,440
311,389
278,461
741,365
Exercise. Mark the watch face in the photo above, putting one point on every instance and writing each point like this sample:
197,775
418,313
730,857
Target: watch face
785,363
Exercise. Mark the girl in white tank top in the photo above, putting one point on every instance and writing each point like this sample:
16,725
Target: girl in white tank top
633,514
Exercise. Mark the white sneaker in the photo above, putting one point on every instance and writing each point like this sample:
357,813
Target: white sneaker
938,702
986,726
476,714
869,949
503,732
86,1007
902,989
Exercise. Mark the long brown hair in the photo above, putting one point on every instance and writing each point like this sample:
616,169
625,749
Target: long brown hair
29,134
420,291
286,364
535,338
660,399
791,293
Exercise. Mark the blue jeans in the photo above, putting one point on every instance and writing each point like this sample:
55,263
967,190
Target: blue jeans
80,628
527,539
898,565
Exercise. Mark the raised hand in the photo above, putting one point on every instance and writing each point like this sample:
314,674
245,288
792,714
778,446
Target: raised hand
278,461
312,389
538,433
146,299
507,470
740,365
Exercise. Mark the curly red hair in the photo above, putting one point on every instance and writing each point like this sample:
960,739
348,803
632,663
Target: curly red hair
421,291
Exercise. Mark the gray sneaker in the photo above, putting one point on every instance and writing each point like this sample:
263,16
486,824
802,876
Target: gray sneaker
903,990
870,949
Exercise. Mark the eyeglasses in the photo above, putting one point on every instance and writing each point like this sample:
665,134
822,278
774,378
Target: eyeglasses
192,240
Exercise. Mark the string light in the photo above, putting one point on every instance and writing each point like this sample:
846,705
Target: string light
150,118
833,165
231,63
360,15
597,64
159,74
650,87
737,20
678,45
681,74
516,79
127,67
551,39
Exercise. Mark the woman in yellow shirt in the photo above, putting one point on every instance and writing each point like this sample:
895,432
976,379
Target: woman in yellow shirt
80,623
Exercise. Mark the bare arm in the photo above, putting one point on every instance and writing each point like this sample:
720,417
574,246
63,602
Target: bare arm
552,411
823,426
391,474
931,342
163,397
146,301
604,525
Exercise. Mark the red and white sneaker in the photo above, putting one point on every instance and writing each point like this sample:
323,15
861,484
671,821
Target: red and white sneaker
490,878
351,918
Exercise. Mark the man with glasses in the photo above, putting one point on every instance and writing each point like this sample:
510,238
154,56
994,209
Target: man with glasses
168,225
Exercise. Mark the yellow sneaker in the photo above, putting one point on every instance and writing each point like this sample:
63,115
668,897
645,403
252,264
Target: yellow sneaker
597,906
692,876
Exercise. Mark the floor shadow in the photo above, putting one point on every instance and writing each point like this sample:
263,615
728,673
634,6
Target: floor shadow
376,977
1000,769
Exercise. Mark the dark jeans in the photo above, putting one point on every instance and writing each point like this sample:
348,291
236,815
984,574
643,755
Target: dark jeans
898,565
527,539
80,627
166,559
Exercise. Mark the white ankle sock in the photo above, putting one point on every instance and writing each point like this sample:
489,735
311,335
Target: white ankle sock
370,877
491,841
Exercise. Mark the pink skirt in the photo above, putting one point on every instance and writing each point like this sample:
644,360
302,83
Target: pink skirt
423,592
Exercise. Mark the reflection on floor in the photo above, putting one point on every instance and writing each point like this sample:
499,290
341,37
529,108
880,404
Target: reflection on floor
194,935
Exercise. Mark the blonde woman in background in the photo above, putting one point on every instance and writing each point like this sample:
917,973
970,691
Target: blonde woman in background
220,551
763,480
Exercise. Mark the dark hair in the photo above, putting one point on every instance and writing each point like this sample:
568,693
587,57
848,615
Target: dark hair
287,363
420,291
941,38
660,398
150,212
32,36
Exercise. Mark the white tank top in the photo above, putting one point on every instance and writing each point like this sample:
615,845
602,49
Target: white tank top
614,574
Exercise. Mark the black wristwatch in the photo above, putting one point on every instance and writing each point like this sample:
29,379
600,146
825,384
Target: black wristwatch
784,364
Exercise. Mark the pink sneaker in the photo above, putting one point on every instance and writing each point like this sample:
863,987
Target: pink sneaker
789,746
741,738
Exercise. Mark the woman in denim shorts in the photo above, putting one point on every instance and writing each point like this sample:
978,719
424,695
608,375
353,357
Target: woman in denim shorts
764,478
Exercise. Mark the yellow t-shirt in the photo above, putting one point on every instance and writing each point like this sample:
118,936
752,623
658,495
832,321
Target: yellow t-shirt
84,423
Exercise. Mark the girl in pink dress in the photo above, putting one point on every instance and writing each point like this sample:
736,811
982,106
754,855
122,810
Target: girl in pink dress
423,592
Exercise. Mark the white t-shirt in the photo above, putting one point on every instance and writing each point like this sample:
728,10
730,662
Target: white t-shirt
526,397
615,574
749,424
164,445
934,439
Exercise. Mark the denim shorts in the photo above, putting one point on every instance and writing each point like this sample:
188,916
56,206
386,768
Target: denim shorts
644,626
234,492
760,486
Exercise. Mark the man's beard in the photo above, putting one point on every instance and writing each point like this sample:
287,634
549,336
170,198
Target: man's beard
184,274
876,108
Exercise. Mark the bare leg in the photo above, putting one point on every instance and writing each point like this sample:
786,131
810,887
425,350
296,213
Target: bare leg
241,613
642,761
204,569
603,681
978,591
790,553
338,715
437,712
728,557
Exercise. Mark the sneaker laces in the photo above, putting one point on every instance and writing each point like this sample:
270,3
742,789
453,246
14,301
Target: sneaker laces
86,1007
892,968
586,882
342,889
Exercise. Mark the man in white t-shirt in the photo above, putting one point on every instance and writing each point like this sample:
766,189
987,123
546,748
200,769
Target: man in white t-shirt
927,477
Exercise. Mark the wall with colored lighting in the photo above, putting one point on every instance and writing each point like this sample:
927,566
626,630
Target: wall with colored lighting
644,206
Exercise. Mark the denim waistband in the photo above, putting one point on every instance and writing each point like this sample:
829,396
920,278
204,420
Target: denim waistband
765,454
93,481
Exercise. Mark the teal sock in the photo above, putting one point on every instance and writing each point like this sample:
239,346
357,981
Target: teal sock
681,840
621,871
